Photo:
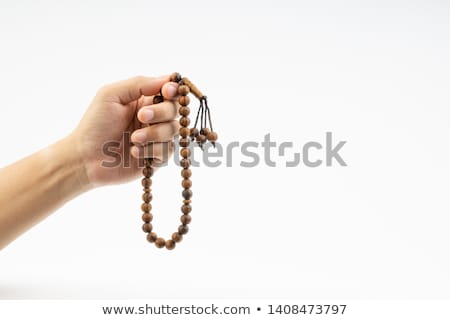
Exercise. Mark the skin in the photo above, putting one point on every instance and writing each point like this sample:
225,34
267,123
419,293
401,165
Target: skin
34,187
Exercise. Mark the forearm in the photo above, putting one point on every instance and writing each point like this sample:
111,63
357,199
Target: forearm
34,187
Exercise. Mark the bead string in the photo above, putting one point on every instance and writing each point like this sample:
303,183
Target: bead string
201,136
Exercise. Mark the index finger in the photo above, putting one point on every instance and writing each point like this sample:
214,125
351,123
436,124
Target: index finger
129,90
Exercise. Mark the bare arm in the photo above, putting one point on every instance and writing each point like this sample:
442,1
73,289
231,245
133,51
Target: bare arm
36,186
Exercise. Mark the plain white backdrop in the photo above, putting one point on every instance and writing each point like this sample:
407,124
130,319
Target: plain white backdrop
375,73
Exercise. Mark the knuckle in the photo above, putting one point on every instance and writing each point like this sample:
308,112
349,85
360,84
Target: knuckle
139,78
103,91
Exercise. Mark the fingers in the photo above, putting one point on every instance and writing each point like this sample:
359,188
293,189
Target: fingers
170,90
159,150
159,132
132,89
160,112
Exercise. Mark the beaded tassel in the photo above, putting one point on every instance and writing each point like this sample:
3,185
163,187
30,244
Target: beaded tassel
201,135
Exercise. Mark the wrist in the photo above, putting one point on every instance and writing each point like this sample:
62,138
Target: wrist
68,164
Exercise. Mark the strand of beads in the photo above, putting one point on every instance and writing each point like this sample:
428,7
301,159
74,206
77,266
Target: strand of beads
185,87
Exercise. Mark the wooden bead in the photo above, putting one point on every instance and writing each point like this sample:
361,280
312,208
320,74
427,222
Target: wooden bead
147,172
186,208
151,237
185,163
184,121
185,219
183,90
194,133
184,100
177,237
147,197
187,201
187,194
201,138
186,173
158,99
146,182
146,207
160,243
184,111
184,142
205,131
170,244
175,77
147,227
186,183
184,132
212,136
147,217
185,152
183,229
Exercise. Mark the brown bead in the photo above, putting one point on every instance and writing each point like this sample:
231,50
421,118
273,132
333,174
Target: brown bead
185,219
186,208
205,131
146,182
183,229
184,100
147,217
158,99
151,237
194,133
184,111
147,172
212,136
184,121
183,90
147,227
187,201
186,173
184,142
160,243
170,244
175,77
184,132
186,183
146,207
185,163
185,152
147,197
187,194
177,237
201,138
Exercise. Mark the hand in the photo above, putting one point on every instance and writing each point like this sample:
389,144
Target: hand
118,111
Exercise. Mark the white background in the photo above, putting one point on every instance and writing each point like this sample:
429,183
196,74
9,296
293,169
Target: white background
375,73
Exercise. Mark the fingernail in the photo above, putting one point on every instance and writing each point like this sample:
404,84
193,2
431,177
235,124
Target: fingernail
147,115
172,90
135,151
138,137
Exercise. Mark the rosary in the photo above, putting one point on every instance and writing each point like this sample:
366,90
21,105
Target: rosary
201,135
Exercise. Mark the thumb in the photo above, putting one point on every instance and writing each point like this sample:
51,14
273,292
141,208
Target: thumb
132,89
